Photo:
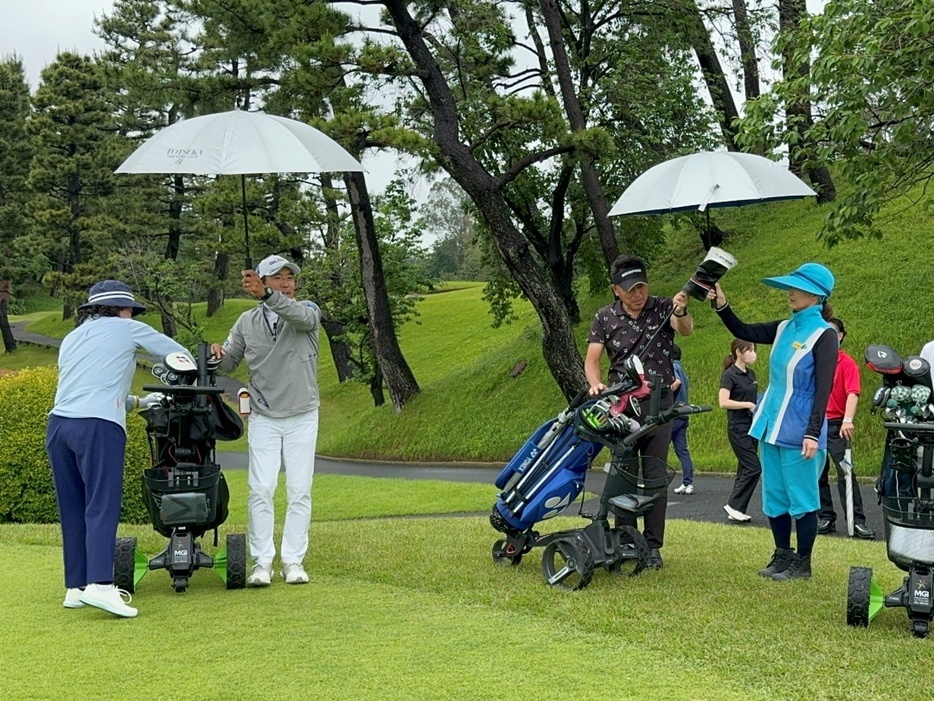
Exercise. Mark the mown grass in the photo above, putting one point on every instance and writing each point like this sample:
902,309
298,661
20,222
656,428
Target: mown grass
472,408
402,608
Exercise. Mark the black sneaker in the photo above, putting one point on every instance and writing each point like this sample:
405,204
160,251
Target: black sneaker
781,558
825,526
654,560
800,568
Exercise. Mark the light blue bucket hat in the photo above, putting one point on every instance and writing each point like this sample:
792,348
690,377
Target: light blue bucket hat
810,277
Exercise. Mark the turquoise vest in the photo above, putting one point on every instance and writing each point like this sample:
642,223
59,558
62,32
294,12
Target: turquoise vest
782,415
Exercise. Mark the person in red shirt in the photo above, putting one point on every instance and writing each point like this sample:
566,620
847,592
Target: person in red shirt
841,407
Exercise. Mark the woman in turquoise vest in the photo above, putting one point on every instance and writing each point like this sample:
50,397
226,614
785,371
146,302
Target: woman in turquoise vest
789,421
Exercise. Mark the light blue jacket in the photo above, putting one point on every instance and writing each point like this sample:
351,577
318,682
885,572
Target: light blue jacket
782,415
96,364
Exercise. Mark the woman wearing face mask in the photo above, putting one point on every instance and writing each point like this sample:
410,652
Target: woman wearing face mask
738,394
790,420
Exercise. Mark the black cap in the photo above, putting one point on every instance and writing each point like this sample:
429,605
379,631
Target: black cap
627,278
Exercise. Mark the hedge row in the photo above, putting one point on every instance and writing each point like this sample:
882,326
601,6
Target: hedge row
27,494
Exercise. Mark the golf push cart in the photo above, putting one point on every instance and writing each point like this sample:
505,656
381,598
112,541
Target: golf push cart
906,492
184,489
547,474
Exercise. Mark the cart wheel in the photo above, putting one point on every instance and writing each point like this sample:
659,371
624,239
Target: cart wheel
857,597
236,561
180,584
125,564
567,564
632,554
506,554
920,627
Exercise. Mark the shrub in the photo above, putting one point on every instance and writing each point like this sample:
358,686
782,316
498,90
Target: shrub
27,494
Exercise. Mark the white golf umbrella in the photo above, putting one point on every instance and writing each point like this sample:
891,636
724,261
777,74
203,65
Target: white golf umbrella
709,179
240,143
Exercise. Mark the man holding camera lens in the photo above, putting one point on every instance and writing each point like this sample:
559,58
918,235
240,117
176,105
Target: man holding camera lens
279,341
642,325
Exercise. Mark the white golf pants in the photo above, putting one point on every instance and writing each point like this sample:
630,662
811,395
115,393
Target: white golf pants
275,443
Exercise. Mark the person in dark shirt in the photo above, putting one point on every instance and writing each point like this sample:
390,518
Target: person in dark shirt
679,427
738,394
640,324
789,421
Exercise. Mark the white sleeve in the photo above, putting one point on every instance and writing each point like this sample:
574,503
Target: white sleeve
150,340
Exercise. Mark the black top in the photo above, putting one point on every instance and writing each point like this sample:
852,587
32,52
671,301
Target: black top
743,388
623,335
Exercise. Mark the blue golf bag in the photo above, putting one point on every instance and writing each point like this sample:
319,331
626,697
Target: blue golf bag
544,477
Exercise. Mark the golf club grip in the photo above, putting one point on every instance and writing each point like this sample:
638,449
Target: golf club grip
579,398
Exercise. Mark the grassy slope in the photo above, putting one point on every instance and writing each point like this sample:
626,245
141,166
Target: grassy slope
471,408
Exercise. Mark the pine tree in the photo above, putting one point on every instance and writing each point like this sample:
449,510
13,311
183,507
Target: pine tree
14,168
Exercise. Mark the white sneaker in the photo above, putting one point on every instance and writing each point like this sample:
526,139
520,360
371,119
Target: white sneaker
73,599
734,515
294,573
685,489
261,576
110,599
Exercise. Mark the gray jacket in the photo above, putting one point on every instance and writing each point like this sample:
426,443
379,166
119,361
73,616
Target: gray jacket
284,369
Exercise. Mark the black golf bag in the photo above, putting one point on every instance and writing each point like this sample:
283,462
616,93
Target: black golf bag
184,489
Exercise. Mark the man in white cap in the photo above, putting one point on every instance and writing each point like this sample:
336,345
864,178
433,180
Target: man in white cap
279,341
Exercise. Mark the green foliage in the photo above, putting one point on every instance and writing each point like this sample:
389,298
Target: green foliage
27,494
15,155
871,78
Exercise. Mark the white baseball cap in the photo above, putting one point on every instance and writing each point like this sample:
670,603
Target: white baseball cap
270,265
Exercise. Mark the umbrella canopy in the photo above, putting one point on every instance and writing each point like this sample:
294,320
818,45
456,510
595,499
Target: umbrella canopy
237,143
709,179
240,143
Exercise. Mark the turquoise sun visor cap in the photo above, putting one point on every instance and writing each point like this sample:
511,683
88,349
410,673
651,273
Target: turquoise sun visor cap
810,277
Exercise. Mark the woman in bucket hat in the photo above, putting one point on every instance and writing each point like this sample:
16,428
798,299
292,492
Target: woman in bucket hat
86,437
789,421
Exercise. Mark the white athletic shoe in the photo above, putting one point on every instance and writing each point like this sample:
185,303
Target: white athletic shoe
734,515
294,573
110,599
73,599
685,489
261,576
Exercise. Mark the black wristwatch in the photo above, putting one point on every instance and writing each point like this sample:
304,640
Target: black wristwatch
266,294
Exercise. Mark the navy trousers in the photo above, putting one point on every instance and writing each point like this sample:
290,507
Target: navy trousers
87,467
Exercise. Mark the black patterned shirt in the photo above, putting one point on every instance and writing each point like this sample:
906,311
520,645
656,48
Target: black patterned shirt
623,335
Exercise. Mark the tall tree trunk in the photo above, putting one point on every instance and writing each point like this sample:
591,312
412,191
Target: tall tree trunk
718,87
558,345
376,387
798,114
575,113
216,293
341,353
9,343
399,377
747,50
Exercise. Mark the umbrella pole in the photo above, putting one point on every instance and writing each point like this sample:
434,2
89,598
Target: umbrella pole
246,226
